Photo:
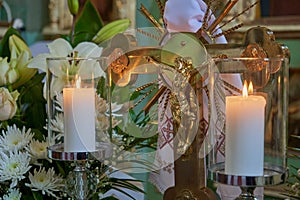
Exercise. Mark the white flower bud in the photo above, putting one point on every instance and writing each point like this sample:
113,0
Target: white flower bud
8,104
17,46
8,74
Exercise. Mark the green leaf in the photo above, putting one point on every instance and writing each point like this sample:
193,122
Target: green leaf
33,102
88,24
134,95
37,196
102,88
4,47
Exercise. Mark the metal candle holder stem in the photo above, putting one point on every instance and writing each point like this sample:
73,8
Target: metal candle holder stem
81,183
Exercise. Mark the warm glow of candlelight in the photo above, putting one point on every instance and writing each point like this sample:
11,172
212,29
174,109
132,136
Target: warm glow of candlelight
245,89
250,88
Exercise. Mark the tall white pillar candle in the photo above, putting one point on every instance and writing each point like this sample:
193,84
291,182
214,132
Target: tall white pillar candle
79,119
244,139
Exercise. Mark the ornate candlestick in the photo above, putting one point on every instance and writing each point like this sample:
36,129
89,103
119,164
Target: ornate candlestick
254,125
74,97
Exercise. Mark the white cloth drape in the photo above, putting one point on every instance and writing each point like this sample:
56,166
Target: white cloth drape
187,16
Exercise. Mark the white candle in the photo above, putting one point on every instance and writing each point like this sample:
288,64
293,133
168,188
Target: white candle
79,119
244,138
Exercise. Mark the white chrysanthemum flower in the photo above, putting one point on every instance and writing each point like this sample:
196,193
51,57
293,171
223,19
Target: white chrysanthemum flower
38,150
13,194
101,105
59,102
102,122
102,119
46,181
57,124
103,108
14,166
14,139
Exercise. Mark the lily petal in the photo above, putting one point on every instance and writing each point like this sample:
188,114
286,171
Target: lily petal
88,49
39,62
90,68
25,72
60,48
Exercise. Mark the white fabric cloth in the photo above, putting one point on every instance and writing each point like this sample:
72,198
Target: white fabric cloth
187,16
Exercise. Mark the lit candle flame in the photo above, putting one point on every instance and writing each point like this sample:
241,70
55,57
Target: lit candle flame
247,89
250,88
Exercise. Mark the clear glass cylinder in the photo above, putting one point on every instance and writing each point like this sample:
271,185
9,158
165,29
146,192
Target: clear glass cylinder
77,104
248,121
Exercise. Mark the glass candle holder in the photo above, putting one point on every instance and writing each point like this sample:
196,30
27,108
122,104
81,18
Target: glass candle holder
78,114
77,103
248,121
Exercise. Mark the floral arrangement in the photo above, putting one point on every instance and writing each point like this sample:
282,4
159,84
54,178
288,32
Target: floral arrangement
22,108
25,170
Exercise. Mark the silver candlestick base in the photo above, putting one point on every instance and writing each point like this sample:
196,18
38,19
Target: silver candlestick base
273,175
247,194
81,183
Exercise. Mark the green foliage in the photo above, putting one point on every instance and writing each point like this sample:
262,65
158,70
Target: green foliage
4,47
111,29
33,102
87,25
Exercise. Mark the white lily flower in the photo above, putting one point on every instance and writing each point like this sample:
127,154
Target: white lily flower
15,71
61,48
8,72
8,103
